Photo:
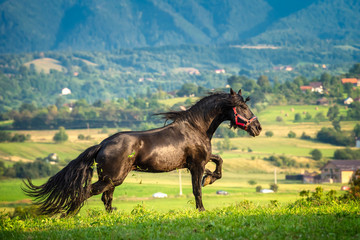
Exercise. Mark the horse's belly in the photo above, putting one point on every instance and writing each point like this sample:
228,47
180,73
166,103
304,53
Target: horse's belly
161,160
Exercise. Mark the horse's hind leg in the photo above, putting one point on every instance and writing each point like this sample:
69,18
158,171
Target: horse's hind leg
106,187
101,186
209,176
107,198
196,174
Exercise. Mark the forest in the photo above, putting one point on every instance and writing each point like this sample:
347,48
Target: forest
39,78
139,110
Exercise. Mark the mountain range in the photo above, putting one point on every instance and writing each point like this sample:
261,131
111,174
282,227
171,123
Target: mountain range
93,25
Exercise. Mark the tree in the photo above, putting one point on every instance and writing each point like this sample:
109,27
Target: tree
355,69
61,136
316,154
188,89
354,111
264,83
333,112
5,136
336,125
235,82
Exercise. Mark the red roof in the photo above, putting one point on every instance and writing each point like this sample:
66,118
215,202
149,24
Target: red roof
349,80
303,88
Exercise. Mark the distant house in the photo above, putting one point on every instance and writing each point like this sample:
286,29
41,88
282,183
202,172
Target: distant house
189,70
348,101
314,87
353,81
357,142
305,88
311,177
65,91
322,101
339,171
317,87
219,71
307,177
289,68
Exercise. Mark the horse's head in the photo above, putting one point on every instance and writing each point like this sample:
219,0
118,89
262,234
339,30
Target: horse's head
241,115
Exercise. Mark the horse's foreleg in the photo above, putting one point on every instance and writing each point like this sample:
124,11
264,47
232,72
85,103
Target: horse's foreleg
196,174
211,177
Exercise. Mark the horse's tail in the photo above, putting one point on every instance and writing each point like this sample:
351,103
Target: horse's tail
66,191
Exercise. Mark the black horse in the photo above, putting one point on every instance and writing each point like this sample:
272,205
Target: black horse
184,143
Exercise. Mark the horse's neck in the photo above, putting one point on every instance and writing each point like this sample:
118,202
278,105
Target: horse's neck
215,123
208,126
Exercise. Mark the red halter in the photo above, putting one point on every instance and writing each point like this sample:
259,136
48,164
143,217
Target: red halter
245,122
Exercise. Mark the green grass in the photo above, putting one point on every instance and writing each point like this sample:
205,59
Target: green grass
6,123
242,220
287,112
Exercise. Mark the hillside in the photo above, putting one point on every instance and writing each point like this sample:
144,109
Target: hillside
94,25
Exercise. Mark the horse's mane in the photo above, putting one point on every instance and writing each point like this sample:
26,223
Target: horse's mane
206,106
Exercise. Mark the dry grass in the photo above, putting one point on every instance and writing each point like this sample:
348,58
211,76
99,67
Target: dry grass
46,64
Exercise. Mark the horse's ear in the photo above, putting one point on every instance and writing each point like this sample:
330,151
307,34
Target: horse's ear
232,92
247,99
239,92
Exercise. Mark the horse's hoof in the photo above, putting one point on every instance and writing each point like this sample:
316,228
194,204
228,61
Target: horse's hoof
206,180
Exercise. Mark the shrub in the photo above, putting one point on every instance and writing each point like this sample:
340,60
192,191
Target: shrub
269,133
8,137
297,117
280,161
104,129
305,137
308,116
279,119
258,188
347,154
320,117
252,182
330,135
274,187
291,134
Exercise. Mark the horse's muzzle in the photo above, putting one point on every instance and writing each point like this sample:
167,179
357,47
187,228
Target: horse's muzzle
254,129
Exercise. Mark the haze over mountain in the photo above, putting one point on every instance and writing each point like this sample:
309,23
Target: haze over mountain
38,25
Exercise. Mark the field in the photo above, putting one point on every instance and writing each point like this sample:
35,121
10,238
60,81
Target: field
242,213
